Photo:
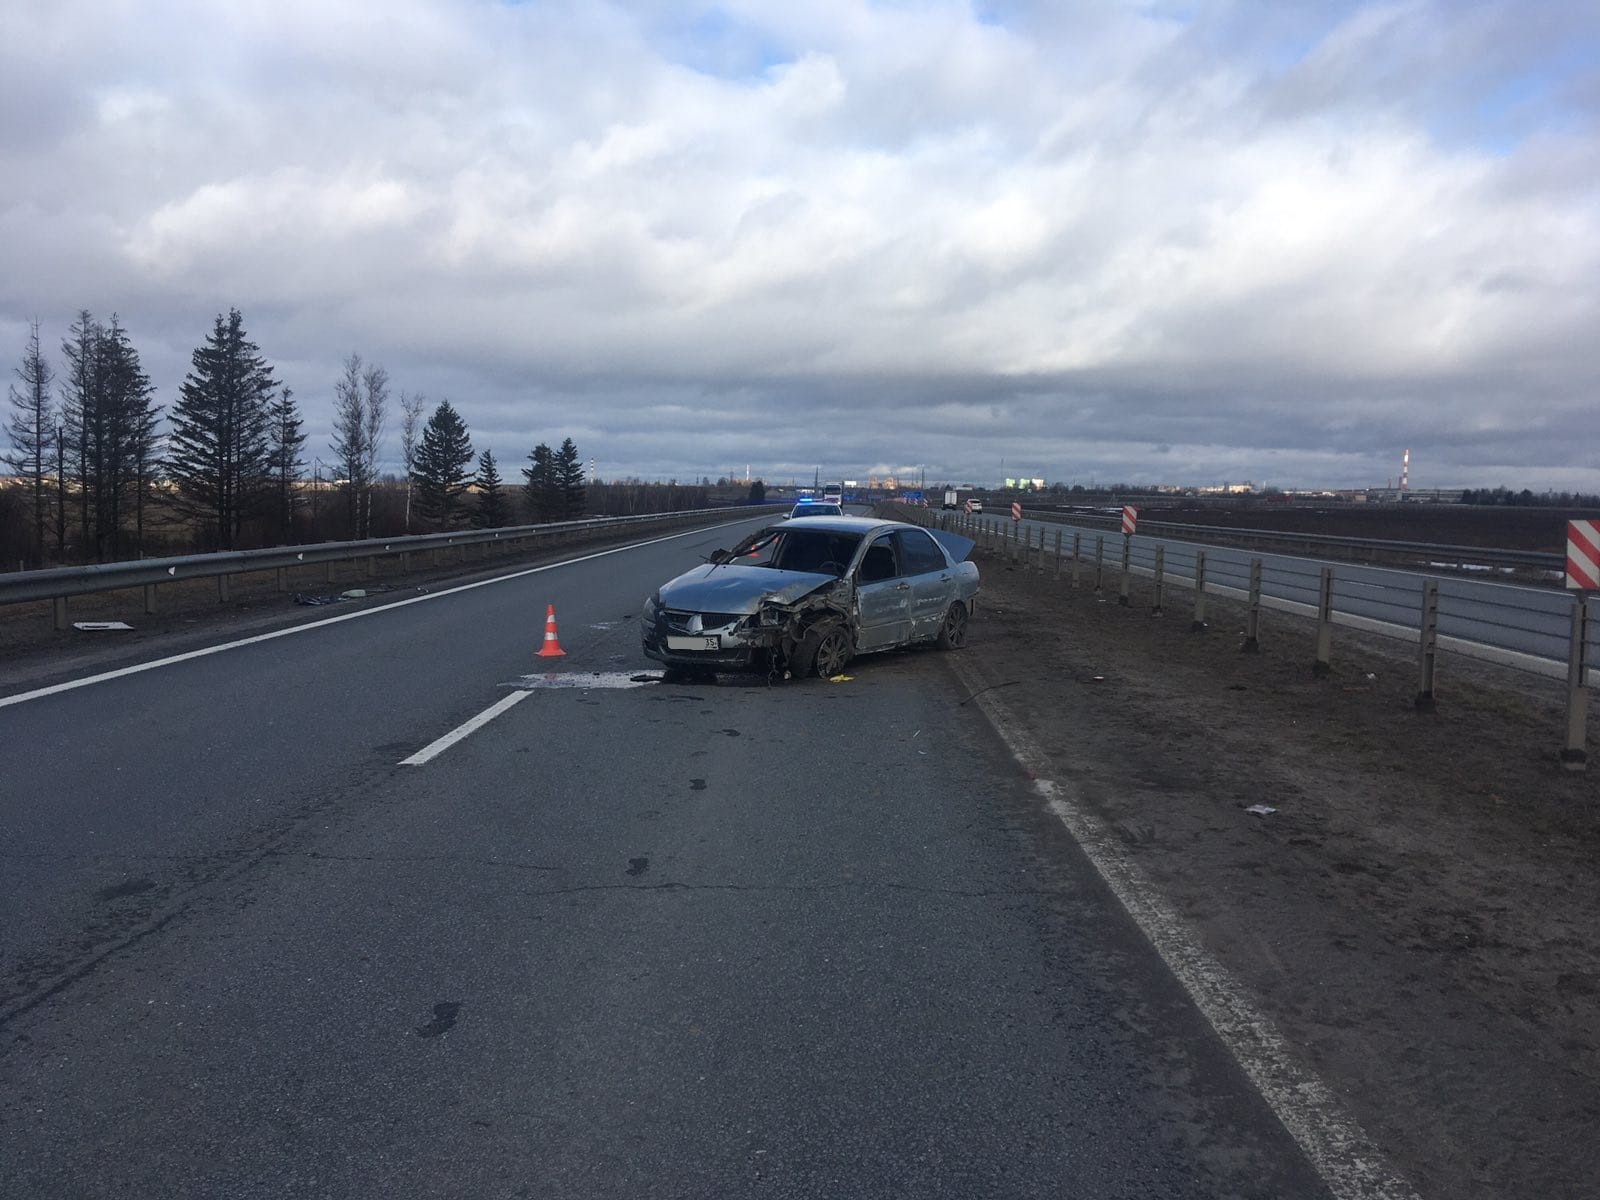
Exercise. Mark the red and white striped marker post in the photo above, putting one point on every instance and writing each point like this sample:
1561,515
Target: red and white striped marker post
1583,575
1583,554
1016,510
1130,521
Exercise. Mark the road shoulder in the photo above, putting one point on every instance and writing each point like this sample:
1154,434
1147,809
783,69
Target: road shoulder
1418,913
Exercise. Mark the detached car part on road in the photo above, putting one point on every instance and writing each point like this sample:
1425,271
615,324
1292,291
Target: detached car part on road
808,596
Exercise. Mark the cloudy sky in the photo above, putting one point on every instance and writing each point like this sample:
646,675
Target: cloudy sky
1152,241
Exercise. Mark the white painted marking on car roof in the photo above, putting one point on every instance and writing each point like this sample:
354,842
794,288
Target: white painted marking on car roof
1340,1152
106,676
439,745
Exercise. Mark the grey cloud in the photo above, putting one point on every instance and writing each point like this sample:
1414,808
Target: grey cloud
1123,241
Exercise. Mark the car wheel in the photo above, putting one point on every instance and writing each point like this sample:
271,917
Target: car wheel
824,651
953,629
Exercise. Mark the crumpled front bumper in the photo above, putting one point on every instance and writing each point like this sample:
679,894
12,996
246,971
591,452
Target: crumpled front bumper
737,647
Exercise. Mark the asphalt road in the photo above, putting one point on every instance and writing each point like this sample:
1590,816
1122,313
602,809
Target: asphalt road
657,940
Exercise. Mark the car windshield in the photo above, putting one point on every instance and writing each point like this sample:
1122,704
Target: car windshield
817,551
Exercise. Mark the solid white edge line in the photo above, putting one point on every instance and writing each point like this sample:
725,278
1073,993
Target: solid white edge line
104,677
439,745
1339,1151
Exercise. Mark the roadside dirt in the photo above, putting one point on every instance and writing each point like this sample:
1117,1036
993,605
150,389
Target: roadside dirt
1420,915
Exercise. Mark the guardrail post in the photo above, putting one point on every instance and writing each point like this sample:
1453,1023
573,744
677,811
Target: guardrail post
283,579
372,565
405,562
1252,627
329,571
1058,554
222,589
59,610
149,599
1077,556
1127,550
1161,568
1198,625
1574,757
1429,645
1323,666
1099,563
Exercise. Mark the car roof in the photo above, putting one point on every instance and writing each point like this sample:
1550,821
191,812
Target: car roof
851,524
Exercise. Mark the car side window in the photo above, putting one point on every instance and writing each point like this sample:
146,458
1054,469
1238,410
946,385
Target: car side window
879,560
919,553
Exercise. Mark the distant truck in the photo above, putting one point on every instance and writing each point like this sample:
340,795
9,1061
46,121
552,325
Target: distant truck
951,500
833,493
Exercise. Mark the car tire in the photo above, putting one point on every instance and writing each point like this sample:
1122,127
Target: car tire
824,650
953,629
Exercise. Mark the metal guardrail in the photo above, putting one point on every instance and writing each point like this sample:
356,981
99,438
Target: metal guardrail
1373,549
57,584
1540,630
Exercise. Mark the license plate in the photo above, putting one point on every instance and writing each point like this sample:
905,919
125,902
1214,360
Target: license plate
703,642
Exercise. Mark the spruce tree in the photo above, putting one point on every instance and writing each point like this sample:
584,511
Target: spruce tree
218,453
32,429
441,471
569,478
127,438
285,441
108,431
491,511
80,414
543,488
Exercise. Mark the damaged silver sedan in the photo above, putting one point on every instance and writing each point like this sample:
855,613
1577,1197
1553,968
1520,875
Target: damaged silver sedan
805,597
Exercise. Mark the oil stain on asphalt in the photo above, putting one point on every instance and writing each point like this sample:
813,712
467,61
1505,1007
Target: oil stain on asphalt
444,1017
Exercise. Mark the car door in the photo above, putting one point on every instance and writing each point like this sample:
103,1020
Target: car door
883,597
924,567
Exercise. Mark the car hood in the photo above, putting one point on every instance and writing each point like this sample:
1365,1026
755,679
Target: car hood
731,588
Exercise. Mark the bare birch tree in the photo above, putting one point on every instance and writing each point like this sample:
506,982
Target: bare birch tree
375,402
349,443
411,409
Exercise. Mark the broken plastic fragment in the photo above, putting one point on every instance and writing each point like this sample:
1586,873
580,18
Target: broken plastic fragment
1261,810
98,625
840,678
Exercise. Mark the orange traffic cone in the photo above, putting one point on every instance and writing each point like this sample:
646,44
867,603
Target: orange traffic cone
552,644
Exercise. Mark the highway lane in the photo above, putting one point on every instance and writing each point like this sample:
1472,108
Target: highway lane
670,940
153,782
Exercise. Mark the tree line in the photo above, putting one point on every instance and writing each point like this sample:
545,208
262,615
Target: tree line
102,481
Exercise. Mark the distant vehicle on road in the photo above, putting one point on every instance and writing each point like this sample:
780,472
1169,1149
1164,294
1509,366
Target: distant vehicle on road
977,505
807,596
833,492
815,508
952,499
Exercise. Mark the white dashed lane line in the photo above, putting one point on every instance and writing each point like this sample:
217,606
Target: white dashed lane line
438,746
